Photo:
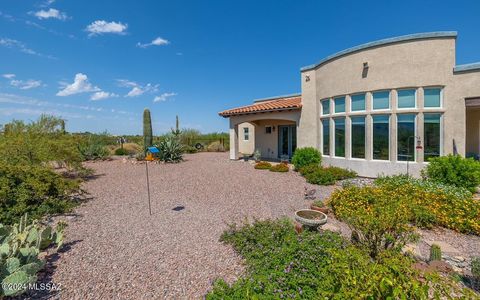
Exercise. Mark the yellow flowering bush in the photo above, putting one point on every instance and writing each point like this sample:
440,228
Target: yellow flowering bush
424,203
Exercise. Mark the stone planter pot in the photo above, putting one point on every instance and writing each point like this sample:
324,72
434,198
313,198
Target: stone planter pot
323,209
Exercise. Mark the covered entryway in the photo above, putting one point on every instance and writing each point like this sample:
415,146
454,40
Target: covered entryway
269,126
472,147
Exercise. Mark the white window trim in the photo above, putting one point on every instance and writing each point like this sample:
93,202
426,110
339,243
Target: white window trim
441,134
389,138
414,139
364,103
351,138
441,97
323,137
415,99
389,101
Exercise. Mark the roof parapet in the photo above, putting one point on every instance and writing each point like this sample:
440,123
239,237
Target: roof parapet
276,97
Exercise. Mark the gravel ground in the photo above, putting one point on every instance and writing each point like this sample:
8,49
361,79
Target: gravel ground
116,250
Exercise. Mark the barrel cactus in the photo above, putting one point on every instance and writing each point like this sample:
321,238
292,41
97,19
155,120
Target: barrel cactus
147,129
20,246
435,253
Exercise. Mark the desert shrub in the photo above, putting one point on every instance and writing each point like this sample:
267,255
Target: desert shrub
121,151
92,148
132,148
340,173
263,165
432,203
306,156
20,246
189,149
379,218
454,170
257,155
215,147
320,177
282,264
308,169
170,150
475,268
35,190
281,167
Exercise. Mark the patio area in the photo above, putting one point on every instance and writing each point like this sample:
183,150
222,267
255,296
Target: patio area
117,250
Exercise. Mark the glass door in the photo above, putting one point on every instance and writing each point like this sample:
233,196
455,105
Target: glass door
287,140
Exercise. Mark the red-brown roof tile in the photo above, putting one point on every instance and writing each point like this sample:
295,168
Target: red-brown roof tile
277,104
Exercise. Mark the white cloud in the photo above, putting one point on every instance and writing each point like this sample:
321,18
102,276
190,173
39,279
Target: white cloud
156,42
164,97
27,84
17,45
137,89
79,85
50,13
102,95
101,27
8,76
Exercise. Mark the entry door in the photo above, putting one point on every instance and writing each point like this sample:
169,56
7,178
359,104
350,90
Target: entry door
287,140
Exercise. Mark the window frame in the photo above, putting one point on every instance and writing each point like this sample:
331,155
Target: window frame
365,136
415,99
389,100
441,97
326,120
329,107
364,102
389,136
246,134
344,104
345,137
441,134
415,137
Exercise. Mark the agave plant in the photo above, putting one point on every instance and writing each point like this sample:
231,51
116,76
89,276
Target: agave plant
170,150
20,246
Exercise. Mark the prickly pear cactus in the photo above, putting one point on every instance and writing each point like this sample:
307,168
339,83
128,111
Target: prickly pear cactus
435,253
19,249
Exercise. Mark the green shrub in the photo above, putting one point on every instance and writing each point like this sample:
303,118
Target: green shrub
263,165
35,190
281,167
475,268
20,246
340,173
189,149
435,253
121,151
432,203
91,148
379,218
308,169
306,156
454,170
170,150
215,147
282,264
320,177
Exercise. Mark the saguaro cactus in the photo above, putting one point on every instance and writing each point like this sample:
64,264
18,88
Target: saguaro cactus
147,129
176,132
435,253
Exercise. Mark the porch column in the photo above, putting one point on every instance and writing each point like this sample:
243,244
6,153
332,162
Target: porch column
233,139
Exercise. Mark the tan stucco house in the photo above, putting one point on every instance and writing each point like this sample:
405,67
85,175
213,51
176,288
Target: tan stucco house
371,108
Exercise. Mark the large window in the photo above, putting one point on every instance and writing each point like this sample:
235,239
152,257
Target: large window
381,100
339,104
406,137
326,136
246,134
340,137
325,107
432,97
406,98
431,138
381,137
358,102
358,137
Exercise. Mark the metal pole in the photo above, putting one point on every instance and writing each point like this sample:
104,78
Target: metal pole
148,188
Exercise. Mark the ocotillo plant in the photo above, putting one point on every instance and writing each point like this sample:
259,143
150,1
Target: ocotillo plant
147,129
435,253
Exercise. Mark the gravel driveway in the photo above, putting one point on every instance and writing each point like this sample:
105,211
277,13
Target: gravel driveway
119,251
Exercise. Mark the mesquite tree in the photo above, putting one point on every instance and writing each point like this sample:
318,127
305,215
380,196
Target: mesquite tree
147,129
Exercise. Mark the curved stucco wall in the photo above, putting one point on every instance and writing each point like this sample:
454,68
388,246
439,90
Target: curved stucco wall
408,64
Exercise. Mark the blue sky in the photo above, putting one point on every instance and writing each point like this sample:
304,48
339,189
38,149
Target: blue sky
100,63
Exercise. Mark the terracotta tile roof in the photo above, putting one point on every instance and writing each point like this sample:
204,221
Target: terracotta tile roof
276,104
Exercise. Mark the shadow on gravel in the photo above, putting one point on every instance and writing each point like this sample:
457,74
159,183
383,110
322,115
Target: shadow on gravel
45,276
